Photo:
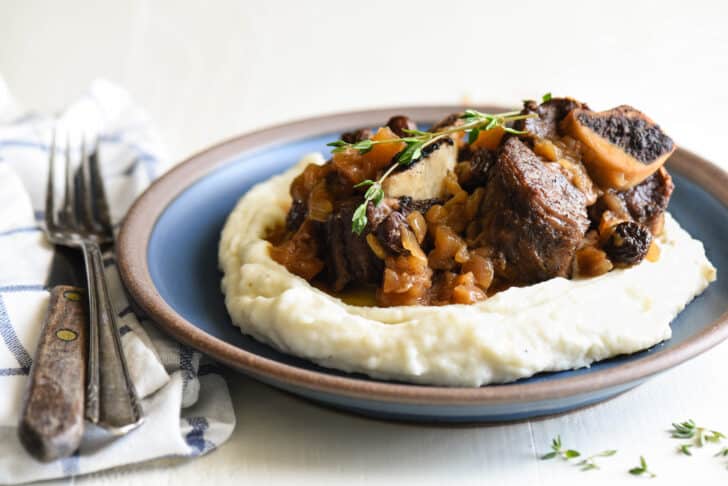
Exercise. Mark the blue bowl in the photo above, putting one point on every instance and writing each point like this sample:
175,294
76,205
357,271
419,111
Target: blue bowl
168,258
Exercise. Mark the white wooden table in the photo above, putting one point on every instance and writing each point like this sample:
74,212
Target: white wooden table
207,71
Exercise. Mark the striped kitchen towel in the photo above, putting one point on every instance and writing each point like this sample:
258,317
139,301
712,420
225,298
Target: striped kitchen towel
186,403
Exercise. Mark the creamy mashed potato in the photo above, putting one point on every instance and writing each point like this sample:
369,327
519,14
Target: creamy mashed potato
555,325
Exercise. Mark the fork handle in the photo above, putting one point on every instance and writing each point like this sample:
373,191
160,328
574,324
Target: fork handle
51,421
111,400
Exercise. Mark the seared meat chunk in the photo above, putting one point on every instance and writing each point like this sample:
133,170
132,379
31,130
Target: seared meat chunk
389,233
390,218
532,216
348,256
296,215
473,172
550,113
647,201
376,214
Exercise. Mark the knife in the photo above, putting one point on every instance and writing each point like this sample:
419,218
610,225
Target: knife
52,418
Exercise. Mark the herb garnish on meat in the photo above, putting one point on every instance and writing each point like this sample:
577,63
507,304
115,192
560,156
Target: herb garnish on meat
474,122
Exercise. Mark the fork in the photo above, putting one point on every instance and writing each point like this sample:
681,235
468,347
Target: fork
83,222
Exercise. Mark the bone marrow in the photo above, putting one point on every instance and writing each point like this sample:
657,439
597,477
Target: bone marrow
424,178
622,146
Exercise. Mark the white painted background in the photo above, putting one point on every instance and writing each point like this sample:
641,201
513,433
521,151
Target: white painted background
209,70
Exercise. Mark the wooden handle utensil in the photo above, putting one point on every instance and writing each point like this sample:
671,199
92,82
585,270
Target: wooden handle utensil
52,419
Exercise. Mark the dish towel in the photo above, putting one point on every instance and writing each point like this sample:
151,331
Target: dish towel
186,404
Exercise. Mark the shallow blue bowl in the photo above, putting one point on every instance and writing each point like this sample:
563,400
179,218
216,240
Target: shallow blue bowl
168,260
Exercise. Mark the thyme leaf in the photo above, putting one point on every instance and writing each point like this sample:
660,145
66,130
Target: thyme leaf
685,449
642,469
412,152
374,194
557,450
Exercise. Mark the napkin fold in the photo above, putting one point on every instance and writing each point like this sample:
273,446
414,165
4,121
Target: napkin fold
186,403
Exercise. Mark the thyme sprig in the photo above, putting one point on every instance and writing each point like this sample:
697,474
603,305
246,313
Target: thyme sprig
590,463
375,194
558,450
696,435
474,122
700,435
642,469
587,464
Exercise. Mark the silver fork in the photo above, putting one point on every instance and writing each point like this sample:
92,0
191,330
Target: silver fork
83,222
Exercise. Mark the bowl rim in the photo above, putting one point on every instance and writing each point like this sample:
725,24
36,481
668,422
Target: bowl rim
141,218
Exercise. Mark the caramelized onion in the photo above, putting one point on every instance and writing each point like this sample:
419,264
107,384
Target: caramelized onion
591,262
653,254
319,203
356,167
299,253
418,224
465,291
406,281
481,268
302,185
376,247
449,249
546,149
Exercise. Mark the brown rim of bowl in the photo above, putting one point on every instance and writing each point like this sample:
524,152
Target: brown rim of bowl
140,220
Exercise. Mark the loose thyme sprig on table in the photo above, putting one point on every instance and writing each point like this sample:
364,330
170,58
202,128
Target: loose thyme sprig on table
557,450
415,141
700,435
590,463
642,469
680,430
586,464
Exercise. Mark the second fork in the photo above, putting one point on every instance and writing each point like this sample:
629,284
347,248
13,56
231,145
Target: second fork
83,222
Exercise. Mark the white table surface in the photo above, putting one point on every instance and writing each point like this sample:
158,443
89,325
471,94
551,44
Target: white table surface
209,70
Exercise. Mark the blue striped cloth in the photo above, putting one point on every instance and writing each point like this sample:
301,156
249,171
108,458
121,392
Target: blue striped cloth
186,402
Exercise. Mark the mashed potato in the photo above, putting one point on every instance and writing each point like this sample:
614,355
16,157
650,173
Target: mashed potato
555,325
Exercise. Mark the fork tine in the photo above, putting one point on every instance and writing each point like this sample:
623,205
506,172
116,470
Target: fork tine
102,214
50,207
85,192
69,196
